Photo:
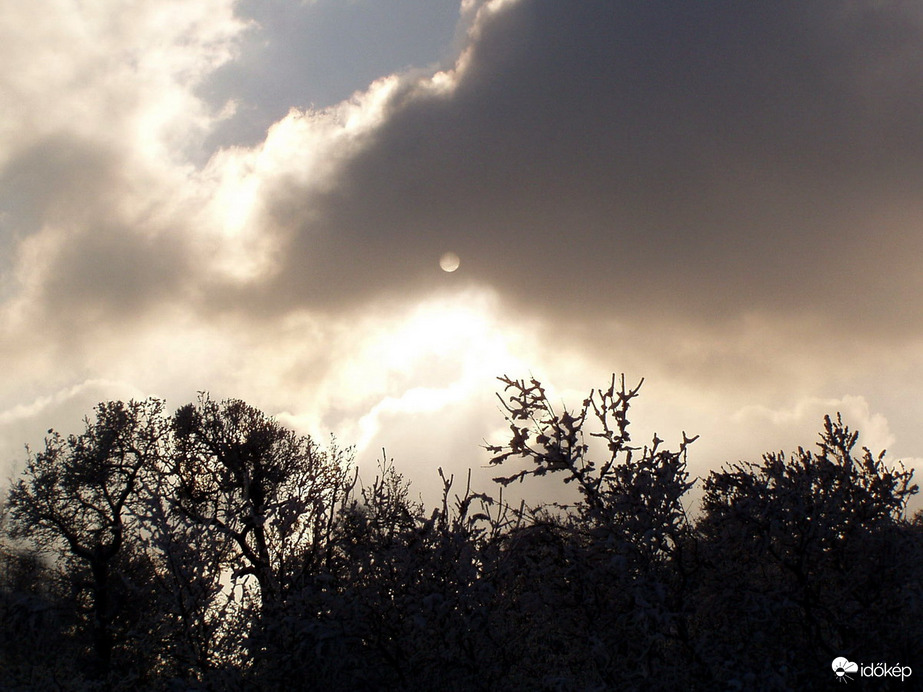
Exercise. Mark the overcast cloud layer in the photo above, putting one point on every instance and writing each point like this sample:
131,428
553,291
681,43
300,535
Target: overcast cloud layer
723,197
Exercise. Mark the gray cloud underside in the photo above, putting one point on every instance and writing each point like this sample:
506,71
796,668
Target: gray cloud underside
100,271
690,161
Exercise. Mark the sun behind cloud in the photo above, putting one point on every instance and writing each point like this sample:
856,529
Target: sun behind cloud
449,262
439,351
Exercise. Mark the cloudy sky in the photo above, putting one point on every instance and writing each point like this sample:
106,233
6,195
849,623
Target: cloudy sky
251,197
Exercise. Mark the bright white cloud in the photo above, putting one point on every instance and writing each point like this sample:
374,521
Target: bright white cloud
112,73
802,421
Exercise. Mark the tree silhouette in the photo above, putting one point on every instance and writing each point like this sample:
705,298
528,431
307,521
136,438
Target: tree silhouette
273,493
202,628
216,549
77,500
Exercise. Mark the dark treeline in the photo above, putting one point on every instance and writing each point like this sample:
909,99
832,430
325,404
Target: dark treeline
213,549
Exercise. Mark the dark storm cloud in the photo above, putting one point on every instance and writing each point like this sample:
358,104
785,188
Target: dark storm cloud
691,161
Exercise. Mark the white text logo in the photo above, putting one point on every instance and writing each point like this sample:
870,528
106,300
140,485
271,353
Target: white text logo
844,669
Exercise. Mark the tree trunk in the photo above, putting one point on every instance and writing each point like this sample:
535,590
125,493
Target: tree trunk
102,634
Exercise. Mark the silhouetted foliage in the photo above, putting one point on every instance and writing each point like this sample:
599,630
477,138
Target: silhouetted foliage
37,615
215,549
76,503
269,499
806,560
272,493
618,549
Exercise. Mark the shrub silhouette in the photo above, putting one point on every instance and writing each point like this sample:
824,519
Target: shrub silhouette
805,558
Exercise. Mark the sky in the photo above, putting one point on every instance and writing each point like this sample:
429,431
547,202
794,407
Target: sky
252,198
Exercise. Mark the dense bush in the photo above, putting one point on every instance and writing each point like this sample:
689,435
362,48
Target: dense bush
215,549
